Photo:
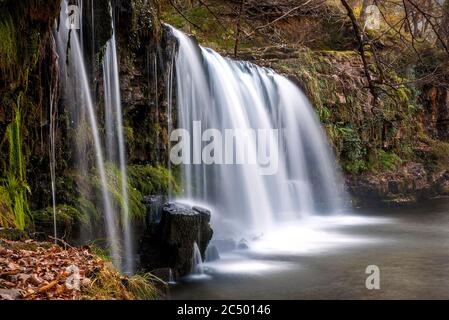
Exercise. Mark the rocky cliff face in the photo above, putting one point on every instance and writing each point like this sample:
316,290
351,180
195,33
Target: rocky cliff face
27,83
395,150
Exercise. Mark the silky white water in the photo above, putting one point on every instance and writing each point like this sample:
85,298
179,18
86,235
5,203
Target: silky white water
115,140
52,134
225,94
197,261
77,94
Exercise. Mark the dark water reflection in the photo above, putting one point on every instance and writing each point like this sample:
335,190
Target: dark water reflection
409,245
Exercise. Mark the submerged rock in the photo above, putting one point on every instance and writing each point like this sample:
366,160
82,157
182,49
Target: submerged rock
243,245
170,243
224,245
212,253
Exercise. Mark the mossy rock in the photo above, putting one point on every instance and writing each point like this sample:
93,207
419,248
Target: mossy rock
13,234
68,221
152,180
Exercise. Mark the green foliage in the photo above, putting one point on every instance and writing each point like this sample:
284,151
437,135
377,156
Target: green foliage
353,150
84,195
99,251
211,34
436,158
108,284
152,180
88,208
141,286
20,42
66,216
356,166
13,134
114,187
388,160
8,48
15,183
6,208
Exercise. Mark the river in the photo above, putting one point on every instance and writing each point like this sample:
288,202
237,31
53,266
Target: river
326,258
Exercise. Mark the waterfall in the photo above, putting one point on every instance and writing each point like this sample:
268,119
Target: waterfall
197,262
217,94
114,137
53,112
77,94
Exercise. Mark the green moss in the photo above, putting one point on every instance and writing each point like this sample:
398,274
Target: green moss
89,209
152,180
114,187
388,160
142,286
66,217
86,193
8,49
6,209
356,166
212,34
436,158
15,183
358,129
21,40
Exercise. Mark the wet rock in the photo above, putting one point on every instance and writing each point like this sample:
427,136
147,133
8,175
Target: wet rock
170,244
165,274
154,204
212,253
10,294
224,245
205,229
243,245
405,185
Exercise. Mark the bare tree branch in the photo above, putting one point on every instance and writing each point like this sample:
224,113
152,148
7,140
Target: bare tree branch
361,48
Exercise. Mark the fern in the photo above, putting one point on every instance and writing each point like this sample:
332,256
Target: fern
15,182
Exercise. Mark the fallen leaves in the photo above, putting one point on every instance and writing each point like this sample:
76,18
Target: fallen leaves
43,271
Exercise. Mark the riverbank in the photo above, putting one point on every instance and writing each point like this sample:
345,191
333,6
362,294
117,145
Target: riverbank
33,270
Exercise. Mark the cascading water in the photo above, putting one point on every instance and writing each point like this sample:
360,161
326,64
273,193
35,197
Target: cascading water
225,94
114,137
76,89
197,262
53,111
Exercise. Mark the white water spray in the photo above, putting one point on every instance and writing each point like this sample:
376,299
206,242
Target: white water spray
53,112
114,137
197,261
226,94
78,97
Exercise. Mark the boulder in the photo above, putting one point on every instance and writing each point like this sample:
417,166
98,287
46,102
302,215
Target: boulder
169,242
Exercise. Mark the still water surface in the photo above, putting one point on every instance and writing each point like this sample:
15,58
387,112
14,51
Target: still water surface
326,258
